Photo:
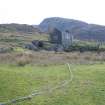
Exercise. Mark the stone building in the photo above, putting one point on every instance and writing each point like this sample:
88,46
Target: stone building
64,38
55,36
67,39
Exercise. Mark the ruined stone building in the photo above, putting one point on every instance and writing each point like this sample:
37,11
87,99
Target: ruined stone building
67,39
55,36
64,38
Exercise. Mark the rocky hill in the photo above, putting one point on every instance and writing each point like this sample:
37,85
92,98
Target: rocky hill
79,29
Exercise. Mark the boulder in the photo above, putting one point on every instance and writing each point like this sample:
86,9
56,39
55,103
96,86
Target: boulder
31,47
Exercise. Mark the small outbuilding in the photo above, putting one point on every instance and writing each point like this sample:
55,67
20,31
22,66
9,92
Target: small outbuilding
55,36
64,38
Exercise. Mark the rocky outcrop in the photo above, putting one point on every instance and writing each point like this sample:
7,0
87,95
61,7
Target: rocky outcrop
80,30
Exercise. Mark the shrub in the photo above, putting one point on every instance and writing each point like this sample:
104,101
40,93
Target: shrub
24,60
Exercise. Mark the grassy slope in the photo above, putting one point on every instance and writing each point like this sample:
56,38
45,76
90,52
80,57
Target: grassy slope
87,87
15,39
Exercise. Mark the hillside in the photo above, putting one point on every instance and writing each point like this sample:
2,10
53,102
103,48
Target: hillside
17,35
23,28
47,77
80,30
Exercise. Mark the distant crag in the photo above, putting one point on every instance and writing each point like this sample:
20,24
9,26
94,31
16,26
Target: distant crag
79,29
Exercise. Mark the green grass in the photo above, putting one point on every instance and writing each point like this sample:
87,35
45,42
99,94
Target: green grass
19,49
20,39
87,87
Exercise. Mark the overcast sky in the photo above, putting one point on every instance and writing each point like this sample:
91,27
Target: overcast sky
34,11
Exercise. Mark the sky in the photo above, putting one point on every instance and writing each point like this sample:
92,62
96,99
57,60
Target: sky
34,11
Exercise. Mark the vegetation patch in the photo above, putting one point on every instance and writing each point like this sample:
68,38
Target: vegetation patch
86,88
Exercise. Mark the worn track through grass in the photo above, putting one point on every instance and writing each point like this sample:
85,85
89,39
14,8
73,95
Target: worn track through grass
88,86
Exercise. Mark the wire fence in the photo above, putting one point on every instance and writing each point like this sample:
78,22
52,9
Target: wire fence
39,92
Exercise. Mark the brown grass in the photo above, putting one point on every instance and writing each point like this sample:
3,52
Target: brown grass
45,57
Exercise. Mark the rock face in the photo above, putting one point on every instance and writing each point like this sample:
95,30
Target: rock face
80,30
61,24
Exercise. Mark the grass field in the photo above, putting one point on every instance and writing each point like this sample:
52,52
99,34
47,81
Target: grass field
23,71
87,87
